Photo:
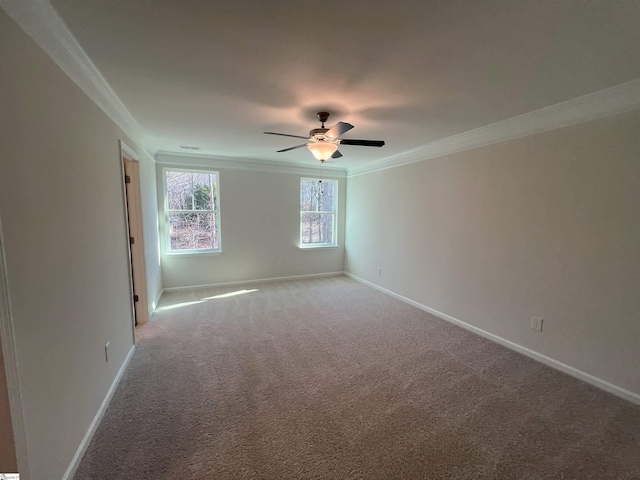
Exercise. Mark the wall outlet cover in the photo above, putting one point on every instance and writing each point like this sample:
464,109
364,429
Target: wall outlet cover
536,323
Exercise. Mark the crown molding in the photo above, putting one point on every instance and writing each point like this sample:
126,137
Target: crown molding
209,161
610,101
42,23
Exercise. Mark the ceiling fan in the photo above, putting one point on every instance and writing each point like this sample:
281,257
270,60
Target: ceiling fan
323,142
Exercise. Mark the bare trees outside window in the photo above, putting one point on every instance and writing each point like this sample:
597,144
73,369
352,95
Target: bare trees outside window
318,200
192,210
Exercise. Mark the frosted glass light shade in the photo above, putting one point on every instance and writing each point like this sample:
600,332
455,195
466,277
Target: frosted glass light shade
322,150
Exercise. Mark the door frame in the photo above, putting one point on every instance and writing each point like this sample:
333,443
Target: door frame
136,259
11,369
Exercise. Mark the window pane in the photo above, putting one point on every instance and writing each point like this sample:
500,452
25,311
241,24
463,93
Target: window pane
316,228
325,200
309,195
202,191
316,195
193,231
179,190
214,191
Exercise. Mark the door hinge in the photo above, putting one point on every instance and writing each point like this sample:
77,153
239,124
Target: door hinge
132,240
127,179
135,298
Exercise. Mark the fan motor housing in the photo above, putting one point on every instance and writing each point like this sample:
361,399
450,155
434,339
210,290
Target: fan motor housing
318,132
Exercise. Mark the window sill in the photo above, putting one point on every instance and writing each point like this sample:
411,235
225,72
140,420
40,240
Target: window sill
315,246
192,252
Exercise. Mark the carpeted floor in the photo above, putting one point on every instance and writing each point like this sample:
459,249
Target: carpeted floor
330,379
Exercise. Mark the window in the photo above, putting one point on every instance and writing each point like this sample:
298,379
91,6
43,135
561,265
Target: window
318,200
192,211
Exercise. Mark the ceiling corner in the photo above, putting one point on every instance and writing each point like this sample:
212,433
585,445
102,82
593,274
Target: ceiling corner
42,23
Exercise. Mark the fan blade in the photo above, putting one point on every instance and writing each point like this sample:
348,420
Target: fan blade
336,154
285,135
338,129
363,143
292,148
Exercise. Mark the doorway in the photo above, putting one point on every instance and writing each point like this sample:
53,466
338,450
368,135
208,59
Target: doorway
13,444
133,215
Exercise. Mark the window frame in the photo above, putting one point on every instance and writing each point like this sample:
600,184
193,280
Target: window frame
334,229
168,211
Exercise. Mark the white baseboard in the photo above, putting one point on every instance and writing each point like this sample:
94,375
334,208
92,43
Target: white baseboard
77,458
258,280
563,367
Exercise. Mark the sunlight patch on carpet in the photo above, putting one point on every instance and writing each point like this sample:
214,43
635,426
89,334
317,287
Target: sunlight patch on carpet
231,294
205,299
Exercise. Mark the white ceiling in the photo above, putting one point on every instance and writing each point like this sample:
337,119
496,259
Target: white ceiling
217,74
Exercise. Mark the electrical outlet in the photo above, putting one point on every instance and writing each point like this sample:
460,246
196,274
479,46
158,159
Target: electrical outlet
106,352
379,270
536,323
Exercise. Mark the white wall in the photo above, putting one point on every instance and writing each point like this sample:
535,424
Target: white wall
149,201
260,224
62,210
547,225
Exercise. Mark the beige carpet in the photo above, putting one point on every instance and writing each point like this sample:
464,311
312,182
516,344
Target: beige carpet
331,379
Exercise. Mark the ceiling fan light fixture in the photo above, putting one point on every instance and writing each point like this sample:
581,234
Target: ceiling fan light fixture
322,149
323,142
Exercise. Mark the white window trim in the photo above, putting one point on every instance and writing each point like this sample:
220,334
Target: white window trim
167,234
312,246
